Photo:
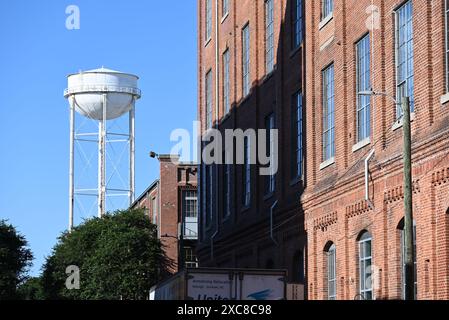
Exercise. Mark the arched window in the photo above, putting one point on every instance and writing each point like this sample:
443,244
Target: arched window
365,265
402,233
331,253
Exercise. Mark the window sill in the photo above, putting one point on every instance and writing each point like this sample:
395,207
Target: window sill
399,123
325,21
327,163
225,117
361,144
245,209
224,17
269,75
445,98
208,41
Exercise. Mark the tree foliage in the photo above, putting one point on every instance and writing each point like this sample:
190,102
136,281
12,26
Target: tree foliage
118,256
15,260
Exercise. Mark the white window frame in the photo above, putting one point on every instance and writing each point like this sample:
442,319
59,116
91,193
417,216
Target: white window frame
226,82
327,9
208,31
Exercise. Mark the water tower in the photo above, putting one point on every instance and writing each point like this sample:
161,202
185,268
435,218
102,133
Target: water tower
101,97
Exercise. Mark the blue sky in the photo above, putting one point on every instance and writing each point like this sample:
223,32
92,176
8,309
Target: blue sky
153,39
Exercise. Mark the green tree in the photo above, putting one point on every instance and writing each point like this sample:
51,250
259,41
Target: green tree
118,256
31,289
15,260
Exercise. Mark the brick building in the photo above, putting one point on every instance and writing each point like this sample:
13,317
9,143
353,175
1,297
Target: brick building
251,76
398,48
171,204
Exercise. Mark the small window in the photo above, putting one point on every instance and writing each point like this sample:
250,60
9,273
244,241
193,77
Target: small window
332,272
365,266
190,204
327,8
154,210
190,258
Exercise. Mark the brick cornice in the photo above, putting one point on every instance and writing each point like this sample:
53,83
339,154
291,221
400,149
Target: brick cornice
326,221
397,193
357,209
440,177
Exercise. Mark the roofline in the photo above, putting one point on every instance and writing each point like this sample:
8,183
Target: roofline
151,187
102,72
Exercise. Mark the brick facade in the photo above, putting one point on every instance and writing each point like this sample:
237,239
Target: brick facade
167,194
336,211
243,239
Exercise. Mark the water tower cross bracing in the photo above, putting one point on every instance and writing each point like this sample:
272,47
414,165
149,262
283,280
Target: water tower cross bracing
102,97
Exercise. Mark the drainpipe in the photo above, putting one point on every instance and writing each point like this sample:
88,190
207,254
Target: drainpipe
367,160
272,222
217,101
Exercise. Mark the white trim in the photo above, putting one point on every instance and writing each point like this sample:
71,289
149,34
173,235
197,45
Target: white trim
327,43
224,17
327,163
361,144
445,98
326,20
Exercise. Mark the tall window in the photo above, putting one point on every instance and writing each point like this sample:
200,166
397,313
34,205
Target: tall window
225,7
328,113
247,173
404,55
154,209
327,7
208,19
447,43
365,265
209,100
246,60
269,36
403,259
190,204
270,182
297,139
332,273
363,84
226,83
298,28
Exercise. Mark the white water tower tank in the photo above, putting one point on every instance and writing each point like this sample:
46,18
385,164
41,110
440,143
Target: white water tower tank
88,89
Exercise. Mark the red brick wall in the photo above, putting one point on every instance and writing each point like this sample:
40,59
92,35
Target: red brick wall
334,201
243,239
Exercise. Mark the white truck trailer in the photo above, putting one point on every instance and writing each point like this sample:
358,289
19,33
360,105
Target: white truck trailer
223,284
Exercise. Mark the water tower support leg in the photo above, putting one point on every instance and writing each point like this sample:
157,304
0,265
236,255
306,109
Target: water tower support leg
132,151
102,161
72,166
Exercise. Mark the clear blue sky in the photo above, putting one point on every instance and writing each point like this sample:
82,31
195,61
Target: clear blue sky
153,39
